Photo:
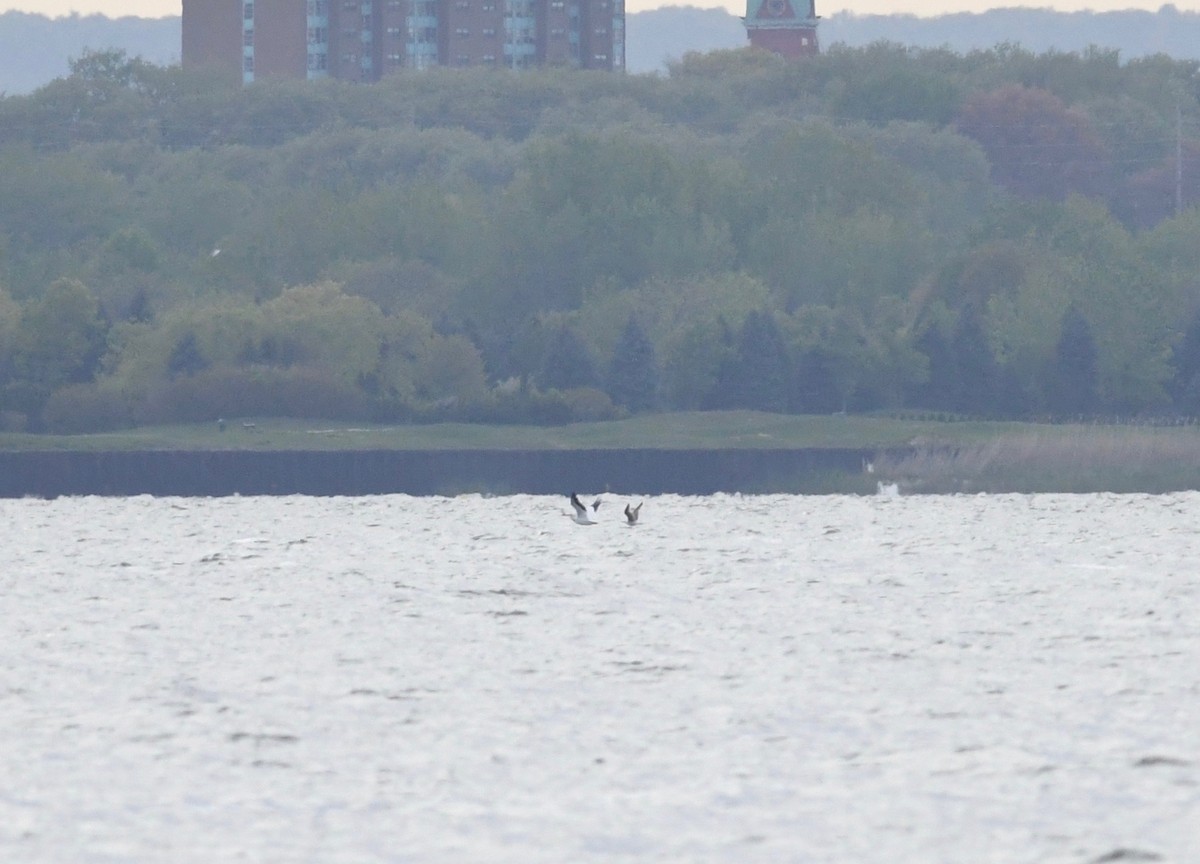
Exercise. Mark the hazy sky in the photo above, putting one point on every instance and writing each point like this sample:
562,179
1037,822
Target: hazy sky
157,8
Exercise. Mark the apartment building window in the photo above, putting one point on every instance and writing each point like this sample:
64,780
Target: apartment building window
248,64
317,8
395,59
461,31
248,37
247,11
489,31
317,35
395,33
463,4
601,31
316,62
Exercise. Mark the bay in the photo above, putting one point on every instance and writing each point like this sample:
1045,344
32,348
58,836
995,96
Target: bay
736,678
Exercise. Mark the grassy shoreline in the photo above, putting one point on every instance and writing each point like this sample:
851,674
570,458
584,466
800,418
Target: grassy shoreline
920,456
713,430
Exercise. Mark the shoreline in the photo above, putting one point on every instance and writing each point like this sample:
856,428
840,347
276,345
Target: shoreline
699,454
636,471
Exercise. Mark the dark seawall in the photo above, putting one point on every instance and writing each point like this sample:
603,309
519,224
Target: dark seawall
424,472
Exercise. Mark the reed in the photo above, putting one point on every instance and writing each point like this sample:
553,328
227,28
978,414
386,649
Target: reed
1076,459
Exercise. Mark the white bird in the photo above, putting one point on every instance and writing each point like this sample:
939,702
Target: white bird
581,514
596,505
631,513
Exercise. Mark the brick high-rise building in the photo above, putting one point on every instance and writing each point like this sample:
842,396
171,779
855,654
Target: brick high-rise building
363,40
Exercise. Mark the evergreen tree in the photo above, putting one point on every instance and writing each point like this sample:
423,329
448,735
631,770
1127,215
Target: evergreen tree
567,363
938,390
757,376
722,393
816,388
1075,373
974,365
633,373
1185,385
186,357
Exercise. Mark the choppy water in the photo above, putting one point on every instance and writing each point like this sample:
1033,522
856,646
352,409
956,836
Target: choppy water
758,679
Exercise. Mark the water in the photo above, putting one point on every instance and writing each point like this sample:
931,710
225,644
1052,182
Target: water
736,679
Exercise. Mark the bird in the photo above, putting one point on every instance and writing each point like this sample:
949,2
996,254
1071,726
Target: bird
581,514
596,504
631,513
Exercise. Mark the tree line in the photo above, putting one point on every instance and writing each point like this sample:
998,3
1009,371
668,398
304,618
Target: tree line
998,233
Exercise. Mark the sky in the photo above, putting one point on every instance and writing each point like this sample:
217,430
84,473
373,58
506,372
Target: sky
159,8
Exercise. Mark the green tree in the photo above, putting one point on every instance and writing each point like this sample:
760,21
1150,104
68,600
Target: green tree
889,86
1126,302
758,375
1185,383
61,337
322,327
938,389
567,363
974,364
633,372
449,370
1076,370
692,364
57,201
818,386
186,358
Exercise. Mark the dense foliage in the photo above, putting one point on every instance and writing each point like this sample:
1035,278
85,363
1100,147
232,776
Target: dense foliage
996,234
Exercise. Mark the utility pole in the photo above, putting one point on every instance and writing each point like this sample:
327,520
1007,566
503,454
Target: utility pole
1178,158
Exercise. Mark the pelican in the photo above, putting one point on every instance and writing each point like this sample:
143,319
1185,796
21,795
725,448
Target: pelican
631,513
581,514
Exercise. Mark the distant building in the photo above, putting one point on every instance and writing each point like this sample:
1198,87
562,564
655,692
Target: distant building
786,27
364,40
